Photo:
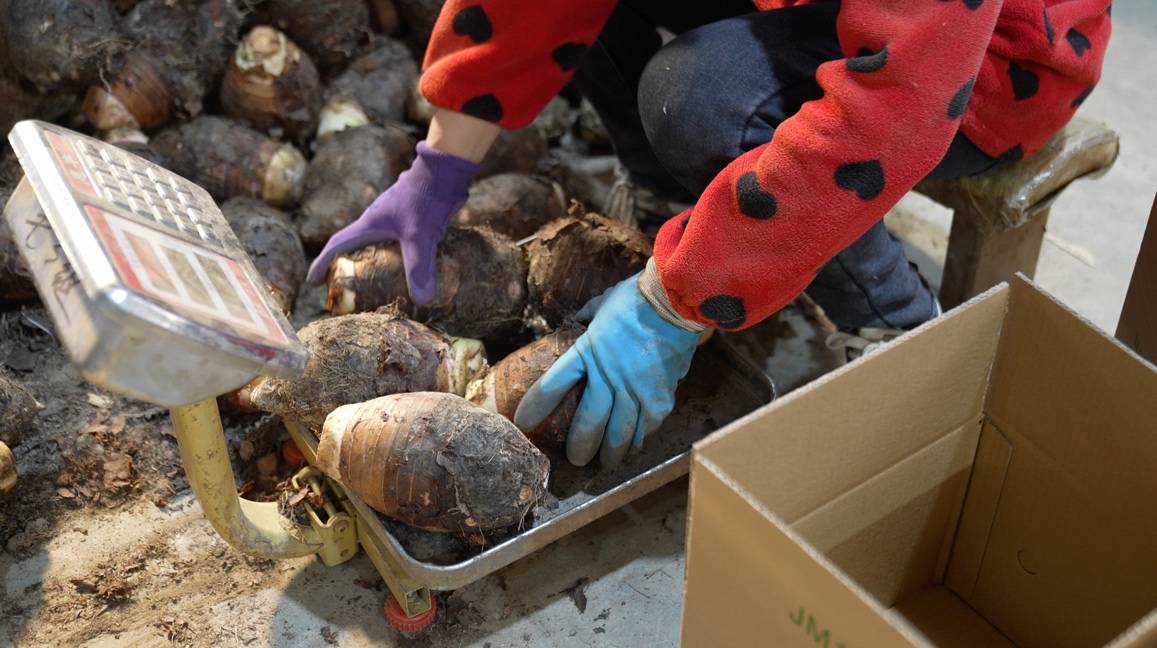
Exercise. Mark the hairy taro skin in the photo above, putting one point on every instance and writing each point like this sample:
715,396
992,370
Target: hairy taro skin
355,358
503,387
512,204
481,284
434,461
575,259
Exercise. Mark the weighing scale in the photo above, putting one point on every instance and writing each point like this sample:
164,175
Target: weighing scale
154,297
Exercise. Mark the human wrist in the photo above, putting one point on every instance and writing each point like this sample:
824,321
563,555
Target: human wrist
655,295
467,137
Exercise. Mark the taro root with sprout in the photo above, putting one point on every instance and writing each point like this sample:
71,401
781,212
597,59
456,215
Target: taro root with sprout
270,239
351,168
354,358
575,259
331,31
481,284
271,84
60,45
372,90
229,159
502,389
434,461
18,408
180,52
513,204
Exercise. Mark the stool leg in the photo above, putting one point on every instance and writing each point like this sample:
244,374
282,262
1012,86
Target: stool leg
980,257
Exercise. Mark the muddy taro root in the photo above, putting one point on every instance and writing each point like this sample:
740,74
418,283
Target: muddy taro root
372,90
514,152
272,84
272,243
502,389
481,284
60,45
419,16
513,204
349,170
18,407
575,259
354,358
229,159
330,31
179,51
434,461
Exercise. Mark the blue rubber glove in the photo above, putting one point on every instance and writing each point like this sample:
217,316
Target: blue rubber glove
632,360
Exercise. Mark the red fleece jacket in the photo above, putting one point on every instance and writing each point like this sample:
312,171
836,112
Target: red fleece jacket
1009,73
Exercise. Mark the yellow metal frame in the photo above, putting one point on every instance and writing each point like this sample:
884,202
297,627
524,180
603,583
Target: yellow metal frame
255,528
260,529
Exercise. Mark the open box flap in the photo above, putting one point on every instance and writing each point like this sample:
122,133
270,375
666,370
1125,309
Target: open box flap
1066,527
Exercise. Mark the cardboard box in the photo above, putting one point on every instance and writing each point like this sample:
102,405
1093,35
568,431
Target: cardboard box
1137,327
987,480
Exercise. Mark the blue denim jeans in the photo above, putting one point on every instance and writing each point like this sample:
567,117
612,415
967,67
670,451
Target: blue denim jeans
679,112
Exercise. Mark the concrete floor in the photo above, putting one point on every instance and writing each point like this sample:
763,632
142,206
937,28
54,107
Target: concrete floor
633,558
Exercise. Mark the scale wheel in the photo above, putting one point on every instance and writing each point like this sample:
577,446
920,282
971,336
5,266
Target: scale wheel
399,621
292,454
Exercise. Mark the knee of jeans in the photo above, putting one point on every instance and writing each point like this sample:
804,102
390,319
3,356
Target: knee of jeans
680,116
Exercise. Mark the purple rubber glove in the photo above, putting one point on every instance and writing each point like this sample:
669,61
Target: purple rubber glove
413,211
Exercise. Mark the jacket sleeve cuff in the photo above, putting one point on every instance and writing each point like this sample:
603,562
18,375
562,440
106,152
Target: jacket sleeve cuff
652,289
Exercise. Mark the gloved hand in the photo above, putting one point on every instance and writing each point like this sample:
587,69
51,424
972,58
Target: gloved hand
632,360
413,211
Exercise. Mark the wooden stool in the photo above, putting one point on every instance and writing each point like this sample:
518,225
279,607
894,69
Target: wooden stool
999,217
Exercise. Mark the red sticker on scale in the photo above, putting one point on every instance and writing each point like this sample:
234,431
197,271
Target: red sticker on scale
70,163
182,275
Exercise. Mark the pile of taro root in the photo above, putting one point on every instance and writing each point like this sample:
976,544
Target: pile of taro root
295,115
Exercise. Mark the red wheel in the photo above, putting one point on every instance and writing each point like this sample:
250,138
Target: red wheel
398,619
292,454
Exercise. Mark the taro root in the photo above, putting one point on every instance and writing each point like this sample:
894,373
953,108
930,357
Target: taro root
60,45
514,152
229,159
181,50
420,16
18,407
418,109
434,461
385,15
138,96
350,169
502,389
591,128
481,284
354,358
575,259
270,239
556,119
21,100
372,90
271,84
330,31
7,469
513,204
135,142
16,284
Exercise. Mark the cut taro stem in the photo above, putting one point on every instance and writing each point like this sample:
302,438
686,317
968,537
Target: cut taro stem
284,176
